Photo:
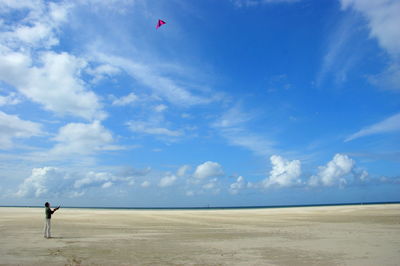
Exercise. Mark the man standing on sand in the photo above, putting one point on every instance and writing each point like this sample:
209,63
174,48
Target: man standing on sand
47,225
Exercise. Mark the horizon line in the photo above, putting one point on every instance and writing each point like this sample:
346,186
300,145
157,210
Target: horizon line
210,207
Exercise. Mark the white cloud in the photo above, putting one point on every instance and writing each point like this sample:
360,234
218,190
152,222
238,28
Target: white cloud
231,126
94,179
390,124
11,126
80,138
145,184
152,77
182,171
55,84
45,77
384,21
334,173
253,3
160,108
389,79
39,26
189,193
212,186
208,169
340,56
284,173
167,181
238,185
10,99
152,128
126,100
103,71
44,181
52,181
209,185
107,185
9,4
233,117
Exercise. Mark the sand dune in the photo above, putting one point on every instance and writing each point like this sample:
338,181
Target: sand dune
345,235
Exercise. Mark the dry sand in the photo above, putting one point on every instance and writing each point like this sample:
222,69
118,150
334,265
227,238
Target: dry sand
345,235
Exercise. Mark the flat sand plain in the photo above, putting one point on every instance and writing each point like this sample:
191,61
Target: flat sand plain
339,235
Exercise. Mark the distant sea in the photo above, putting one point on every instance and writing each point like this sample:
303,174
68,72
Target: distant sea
215,207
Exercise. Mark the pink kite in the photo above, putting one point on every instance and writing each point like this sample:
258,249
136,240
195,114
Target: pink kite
160,23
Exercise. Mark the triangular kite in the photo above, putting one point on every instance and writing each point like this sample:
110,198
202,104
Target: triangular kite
160,23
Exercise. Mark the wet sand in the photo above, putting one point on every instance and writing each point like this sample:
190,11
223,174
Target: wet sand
340,235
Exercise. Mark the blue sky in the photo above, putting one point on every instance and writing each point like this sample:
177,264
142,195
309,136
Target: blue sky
230,103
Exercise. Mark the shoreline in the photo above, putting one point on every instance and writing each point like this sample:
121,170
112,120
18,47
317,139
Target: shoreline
213,208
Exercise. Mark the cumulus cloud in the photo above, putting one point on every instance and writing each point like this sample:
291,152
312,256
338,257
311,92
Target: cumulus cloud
208,169
145,184
167,181
238,185
334,173
212,185
94,179
81,138
55,84
107,184
52,181
284,173
388,125
39,26
45,181
182,171
11,127
45,77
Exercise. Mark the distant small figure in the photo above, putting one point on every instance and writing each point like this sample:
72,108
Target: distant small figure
47,225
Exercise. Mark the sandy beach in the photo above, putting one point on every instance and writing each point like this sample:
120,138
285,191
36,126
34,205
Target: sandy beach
338,235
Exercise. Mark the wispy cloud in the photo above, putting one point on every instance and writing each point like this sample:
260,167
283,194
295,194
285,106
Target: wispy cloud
389,79
252,3
10,99
383,22
232,126
152,128
388,125
159,83
125,100
340,56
